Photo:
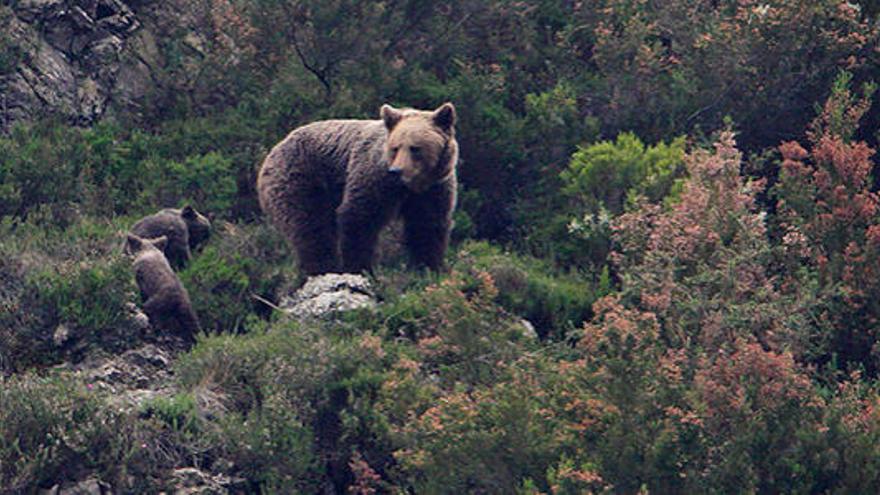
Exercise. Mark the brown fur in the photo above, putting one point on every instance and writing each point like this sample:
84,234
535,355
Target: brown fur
331,186
185,229
165,300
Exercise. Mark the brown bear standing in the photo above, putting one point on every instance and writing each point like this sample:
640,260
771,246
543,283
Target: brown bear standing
165,300
331,186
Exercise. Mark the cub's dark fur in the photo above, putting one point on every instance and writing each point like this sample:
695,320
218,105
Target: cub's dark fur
165,300
185,229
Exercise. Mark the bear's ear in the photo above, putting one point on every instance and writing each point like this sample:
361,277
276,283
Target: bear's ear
391,116
133,243
444,117
159,242
189,212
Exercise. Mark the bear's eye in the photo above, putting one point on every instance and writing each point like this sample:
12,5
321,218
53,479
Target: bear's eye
395,149
415,150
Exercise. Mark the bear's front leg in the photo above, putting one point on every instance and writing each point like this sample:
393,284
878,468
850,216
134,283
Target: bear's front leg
427,223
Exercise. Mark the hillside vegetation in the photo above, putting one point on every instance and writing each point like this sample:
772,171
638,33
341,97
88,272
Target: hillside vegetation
680,197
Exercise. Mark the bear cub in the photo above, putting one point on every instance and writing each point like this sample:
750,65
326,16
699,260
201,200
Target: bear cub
185,229
331,186
165,300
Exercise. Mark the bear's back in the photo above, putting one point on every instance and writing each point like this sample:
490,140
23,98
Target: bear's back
167,222
154,273
329,145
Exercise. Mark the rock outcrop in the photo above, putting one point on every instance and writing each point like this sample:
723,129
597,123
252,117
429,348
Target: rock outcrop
328,294
90,486
64,56
82,59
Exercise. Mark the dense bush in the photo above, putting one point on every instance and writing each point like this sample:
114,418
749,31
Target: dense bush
605,178
63,293
702,331
239,264
553,301
282,392
55,429
827,214
609,174
110,171
703,265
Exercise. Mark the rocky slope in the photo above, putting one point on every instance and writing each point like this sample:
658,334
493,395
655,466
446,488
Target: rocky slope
146,372
83,58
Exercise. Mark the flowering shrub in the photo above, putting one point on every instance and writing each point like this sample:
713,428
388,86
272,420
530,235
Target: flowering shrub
751,402
702,264
827,215
457,330
487,438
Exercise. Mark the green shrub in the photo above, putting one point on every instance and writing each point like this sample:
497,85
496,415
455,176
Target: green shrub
238,263
285,390
54,279
91,298
266,432
178,412
106,170
54,430
553,301
35,168
206,181
271,447
599,182
606,174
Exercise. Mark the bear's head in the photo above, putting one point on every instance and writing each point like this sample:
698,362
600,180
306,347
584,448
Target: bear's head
421,145
137,246
198,225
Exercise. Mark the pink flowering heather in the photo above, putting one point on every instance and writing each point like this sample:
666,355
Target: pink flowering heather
828,215
701,265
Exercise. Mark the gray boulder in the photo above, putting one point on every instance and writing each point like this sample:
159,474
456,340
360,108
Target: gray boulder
190,481
329,294
90,486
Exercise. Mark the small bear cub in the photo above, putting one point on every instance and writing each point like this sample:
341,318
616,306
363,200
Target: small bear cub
185,229
165,300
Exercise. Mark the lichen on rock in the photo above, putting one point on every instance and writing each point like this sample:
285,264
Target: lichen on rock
329,294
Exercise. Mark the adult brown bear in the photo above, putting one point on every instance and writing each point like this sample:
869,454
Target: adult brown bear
331,186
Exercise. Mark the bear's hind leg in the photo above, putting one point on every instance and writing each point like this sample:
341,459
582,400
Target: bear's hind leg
312,229
187,322
159,309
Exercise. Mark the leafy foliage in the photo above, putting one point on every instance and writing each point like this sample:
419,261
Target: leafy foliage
237,264
700,330
607,174
827,215
62,294
554,302
55,430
